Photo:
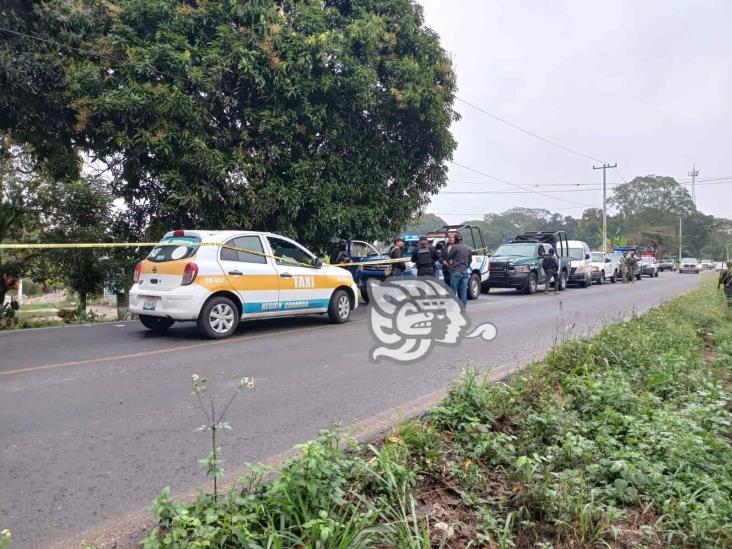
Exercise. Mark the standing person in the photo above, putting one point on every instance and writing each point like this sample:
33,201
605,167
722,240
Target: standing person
397,252
623,265
342,256
725,281
459,258
550,264
424,257
632,266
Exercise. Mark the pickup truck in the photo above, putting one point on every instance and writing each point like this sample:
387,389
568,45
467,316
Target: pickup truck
604,267
517,264
667,264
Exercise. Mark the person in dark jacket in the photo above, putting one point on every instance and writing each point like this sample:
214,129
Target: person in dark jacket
397,252
458,262
424,257
550,264
725,282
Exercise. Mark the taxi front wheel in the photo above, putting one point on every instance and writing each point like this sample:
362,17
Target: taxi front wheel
219,318
339,309
156,323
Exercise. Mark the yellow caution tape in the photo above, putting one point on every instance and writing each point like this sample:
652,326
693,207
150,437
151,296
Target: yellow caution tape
87,245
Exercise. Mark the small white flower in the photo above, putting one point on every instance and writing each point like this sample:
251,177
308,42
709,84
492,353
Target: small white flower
195,378
246,383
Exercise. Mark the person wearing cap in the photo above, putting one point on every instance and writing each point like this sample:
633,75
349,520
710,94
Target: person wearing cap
397,252
424,257
459,257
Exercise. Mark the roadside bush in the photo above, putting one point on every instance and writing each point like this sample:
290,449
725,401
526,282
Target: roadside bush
622,439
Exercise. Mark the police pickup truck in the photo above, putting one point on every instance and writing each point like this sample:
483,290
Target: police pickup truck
517,264
438,238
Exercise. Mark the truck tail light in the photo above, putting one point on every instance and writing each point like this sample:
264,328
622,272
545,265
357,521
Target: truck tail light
138,271
189,274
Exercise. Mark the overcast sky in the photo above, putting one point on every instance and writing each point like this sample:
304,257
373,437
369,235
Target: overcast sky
645,84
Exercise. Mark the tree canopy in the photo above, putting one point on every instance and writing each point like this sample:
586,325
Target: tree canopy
311,118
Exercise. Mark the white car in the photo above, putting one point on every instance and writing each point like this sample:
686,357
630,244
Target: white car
604,267
217,278
580,271
649,266
690,265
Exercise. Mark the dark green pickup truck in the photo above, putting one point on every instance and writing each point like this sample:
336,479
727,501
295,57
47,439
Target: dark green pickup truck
517,264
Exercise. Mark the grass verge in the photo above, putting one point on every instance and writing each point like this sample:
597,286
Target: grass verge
619,440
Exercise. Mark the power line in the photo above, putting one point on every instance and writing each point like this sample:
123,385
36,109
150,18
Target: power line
516,185
527,132
524,192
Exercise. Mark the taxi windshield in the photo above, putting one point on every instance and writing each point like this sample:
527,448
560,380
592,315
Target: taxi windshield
172,248
597,257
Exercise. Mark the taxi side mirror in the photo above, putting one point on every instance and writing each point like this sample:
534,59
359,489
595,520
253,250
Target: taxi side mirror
587,256
317,262
608,260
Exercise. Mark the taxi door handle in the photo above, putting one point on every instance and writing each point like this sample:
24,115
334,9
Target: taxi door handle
285,275
235,273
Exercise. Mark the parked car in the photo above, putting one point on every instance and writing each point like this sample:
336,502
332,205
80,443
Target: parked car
707,264
649,266
517,264
667,264
604,267
580,272
619,251
217,278
690,265
719,266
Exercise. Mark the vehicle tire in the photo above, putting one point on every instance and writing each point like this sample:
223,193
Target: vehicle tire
562,281
157,324
614,277
474,286
339,310
531,283
364,294
601,280
639,276
219,318
655,275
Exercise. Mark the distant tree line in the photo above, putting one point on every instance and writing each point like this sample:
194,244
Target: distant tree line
644,211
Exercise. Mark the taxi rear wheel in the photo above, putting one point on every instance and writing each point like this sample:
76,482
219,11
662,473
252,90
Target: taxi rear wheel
156,323
219,318
339,309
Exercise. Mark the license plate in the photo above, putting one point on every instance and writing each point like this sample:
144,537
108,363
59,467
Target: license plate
148,305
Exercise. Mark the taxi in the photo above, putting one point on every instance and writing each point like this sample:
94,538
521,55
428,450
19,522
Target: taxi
217,278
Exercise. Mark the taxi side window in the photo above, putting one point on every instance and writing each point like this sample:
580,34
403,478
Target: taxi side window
252,243
288,250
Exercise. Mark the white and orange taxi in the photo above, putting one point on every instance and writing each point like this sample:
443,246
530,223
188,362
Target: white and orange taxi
193,276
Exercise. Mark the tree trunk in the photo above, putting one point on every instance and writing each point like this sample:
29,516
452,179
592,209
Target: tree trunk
82,301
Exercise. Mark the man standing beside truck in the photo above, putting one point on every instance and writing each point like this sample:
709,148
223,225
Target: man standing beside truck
424,257
550,264
458,261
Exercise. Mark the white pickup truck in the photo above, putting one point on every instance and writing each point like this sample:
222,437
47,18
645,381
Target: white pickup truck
604,267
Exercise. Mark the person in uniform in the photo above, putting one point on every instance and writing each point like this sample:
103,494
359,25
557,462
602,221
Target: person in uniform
550,264
458,262
632,267
424,257
725,282
397,252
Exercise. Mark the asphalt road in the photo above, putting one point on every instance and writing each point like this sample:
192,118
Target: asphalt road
95,420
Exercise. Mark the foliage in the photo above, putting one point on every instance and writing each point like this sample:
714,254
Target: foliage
6,538
314,119
79,315
621,439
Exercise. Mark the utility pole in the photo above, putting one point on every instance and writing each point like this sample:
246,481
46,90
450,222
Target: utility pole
679,243
604,168
693,173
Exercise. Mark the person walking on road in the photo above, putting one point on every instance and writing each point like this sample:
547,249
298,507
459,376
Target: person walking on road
458,262
397,252
550,264
424,257
725,282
